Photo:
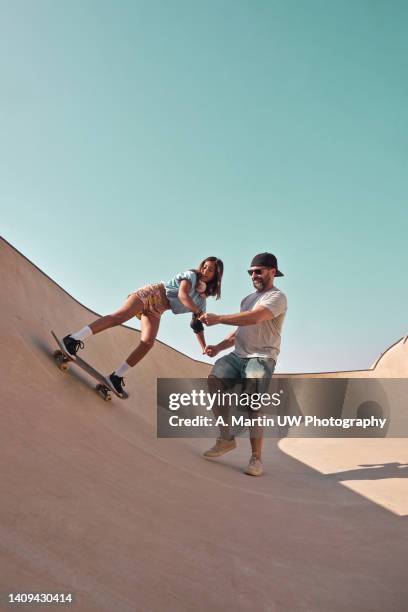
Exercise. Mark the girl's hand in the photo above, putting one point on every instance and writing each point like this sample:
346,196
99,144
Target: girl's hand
209,318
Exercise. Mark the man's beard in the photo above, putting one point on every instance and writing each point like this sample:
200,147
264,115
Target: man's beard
259,284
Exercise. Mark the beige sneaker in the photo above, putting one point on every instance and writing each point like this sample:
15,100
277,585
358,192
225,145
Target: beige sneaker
221,447
254,467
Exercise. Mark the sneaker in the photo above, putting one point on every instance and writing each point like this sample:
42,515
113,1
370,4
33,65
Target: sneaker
72,346
254,467
116,382
221,447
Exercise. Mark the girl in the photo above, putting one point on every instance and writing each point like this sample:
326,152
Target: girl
186,292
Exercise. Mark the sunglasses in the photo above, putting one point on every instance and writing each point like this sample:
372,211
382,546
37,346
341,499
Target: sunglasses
256,271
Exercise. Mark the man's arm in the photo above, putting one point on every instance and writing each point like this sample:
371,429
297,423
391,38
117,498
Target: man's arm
248,317
227,343
213,349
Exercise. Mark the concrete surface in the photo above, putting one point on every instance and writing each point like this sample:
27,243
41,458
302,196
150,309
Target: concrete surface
92,503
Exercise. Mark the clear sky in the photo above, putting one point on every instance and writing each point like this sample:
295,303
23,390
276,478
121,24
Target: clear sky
136,138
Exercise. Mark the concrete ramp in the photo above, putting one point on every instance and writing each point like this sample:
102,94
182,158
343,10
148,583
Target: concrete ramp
94,505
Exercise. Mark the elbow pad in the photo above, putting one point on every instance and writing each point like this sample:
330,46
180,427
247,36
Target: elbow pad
196,325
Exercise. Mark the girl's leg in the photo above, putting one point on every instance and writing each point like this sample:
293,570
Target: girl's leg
74,341
150,327
132,305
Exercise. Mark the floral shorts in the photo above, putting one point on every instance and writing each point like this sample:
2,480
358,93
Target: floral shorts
154,300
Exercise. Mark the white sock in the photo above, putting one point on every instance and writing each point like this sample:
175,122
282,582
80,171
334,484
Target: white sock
121,371
83,333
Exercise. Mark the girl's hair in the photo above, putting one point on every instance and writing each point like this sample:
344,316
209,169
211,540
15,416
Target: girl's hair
214,285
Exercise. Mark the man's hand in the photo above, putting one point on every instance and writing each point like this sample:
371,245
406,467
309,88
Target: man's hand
211,350
210,319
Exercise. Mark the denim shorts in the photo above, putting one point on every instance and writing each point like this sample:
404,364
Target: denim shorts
253,372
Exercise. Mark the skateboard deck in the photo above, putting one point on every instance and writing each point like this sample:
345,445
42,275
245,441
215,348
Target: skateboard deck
64,361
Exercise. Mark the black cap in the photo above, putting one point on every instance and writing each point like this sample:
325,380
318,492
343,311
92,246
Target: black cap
267,260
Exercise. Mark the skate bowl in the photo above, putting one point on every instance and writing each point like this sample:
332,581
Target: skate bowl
93,504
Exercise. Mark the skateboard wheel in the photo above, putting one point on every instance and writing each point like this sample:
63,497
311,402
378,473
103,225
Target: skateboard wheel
61,360
104,393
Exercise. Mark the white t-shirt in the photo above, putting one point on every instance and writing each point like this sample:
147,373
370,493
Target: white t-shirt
262,339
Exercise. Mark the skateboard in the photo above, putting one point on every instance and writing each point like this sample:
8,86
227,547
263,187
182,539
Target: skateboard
64,361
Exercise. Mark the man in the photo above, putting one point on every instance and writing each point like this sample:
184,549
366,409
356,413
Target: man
257,344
